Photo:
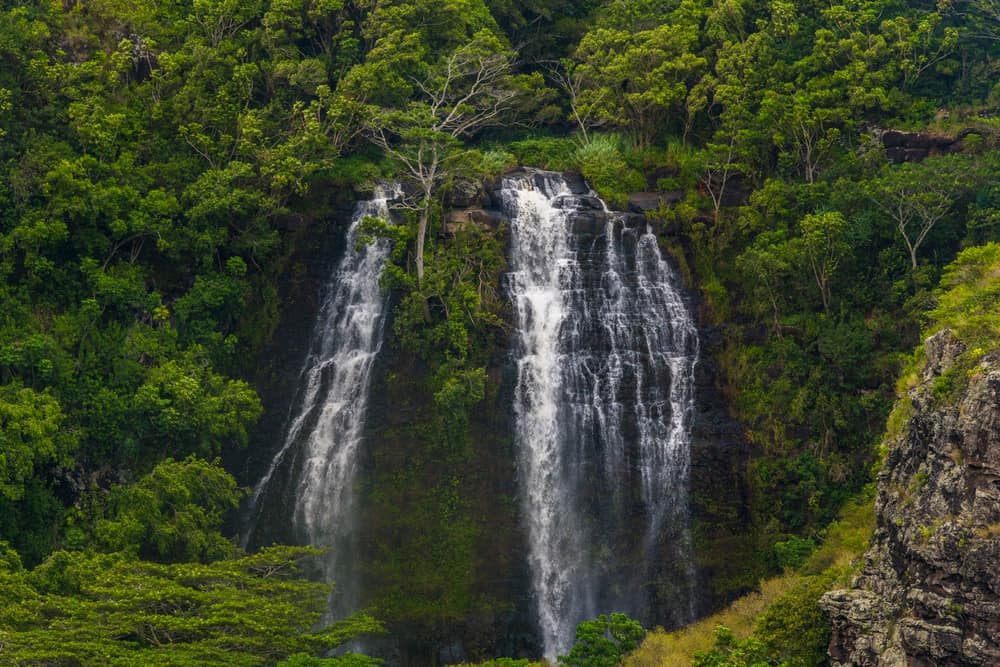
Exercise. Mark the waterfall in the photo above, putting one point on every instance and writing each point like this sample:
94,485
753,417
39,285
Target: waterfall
316,467
605,349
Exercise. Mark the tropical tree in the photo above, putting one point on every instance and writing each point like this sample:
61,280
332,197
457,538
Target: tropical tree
96,610
469,89
917,196
604,641
635,79
173,514
31,436
824,244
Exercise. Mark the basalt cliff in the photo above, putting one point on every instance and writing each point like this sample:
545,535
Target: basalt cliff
929,591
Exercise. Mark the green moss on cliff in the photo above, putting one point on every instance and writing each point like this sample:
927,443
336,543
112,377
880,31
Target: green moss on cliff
441,527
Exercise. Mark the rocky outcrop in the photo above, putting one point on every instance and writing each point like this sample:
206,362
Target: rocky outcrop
901,146
466,219
466,193
643,202
929,592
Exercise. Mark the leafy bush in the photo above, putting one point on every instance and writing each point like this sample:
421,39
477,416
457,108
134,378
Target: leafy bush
793,552
969,300
556,153
173,514
112,610
604,166
604,641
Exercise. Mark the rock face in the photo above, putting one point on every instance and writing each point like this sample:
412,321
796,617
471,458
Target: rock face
466,193
929,593
901,146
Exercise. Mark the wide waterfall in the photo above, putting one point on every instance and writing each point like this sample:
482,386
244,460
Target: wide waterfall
606,349
315,469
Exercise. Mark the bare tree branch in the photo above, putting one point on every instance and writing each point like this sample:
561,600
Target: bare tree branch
469,90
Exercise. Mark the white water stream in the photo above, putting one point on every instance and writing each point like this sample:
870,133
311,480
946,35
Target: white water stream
606,350
323,436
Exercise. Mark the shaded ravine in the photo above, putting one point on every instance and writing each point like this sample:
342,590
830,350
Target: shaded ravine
314,473
605,350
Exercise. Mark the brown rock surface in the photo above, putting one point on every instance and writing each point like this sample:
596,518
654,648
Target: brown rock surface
929,593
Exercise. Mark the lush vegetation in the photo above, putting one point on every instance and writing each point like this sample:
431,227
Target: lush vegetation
781,624
603,641
160,163
161,585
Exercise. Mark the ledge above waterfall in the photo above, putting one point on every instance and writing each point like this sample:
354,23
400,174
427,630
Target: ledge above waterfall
568,191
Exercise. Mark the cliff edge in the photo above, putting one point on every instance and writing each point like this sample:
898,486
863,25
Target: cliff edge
929,591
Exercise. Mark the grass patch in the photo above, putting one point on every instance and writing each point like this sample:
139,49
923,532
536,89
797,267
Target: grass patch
784,610
679,647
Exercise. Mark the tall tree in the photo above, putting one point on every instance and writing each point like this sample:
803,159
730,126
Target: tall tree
824,244
469,89
637,79
31,436
87,610
917,196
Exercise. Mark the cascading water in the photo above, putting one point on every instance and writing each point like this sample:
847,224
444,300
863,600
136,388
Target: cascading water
316,467
606,350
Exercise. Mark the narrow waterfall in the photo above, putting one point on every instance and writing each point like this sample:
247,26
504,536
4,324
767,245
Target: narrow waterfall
315,470
606,350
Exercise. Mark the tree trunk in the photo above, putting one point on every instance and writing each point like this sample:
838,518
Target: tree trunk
425,213
421,235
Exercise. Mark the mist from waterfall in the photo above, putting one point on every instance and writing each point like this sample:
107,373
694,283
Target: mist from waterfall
605,349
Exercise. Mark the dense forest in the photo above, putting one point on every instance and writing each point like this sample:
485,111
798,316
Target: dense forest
817,168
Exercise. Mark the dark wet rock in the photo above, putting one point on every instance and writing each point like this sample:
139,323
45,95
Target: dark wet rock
467,193
737,191
578,202
654,177
903,146
642,202
901,139
576,183
590,223
293,222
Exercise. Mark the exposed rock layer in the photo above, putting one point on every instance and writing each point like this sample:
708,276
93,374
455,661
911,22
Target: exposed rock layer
929,593
901,146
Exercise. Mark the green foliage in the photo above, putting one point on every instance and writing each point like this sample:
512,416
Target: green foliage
793,552
190,409
918,196
794,628
430,488
556,153
968,301
173,514
730,652
160,163
635,79
113,610
603,641
792,631
506,662
604,166
346,660
457,303
31,436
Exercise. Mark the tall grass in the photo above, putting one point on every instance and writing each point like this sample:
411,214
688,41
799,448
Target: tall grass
834,561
